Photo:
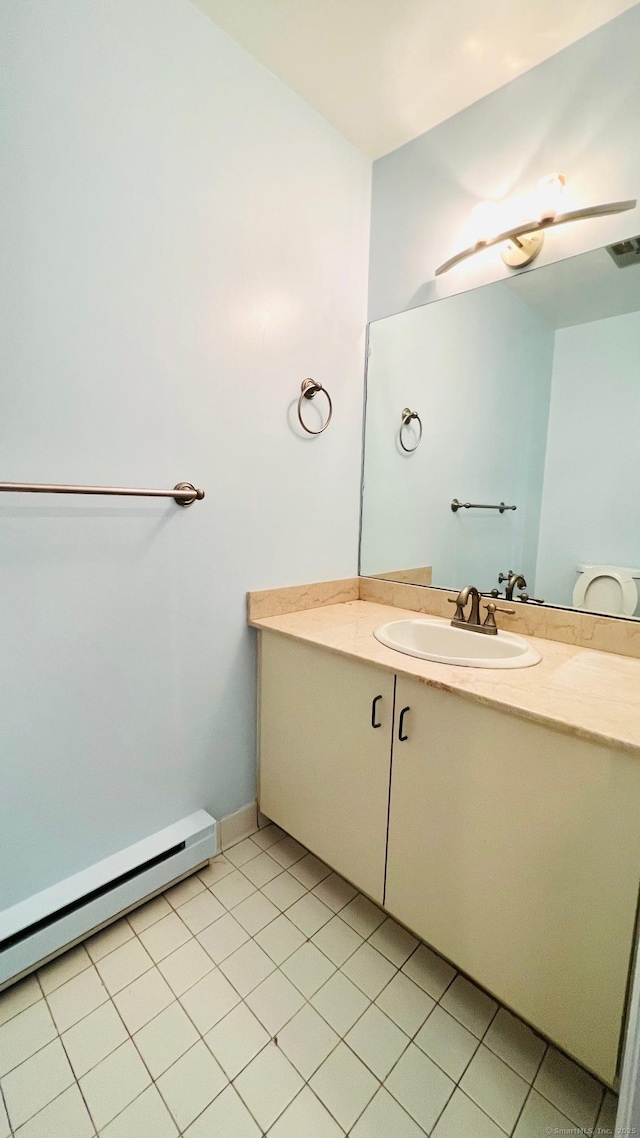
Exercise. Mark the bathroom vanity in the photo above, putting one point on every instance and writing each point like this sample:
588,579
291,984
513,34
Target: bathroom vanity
495,814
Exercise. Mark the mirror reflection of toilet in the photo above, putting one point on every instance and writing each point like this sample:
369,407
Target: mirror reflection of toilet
609,589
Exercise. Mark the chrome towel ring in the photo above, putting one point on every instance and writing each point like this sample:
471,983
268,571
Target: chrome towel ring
309,388
407,416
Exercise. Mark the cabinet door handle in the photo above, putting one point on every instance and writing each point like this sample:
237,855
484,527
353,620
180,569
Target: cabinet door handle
401,737
373,713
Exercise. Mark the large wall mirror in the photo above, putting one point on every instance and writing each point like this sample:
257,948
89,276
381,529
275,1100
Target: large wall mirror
527,393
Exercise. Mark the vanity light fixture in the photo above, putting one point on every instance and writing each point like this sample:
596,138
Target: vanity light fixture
523,242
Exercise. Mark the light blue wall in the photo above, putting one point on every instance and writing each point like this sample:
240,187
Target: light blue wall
590,511
183,241
477,367
578,112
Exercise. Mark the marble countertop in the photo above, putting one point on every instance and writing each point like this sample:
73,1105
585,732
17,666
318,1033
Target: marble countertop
592,694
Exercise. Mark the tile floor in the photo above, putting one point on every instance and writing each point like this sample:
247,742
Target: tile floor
265,996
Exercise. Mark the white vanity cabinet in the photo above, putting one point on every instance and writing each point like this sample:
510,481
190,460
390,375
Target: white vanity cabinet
325,755
515,851
513,848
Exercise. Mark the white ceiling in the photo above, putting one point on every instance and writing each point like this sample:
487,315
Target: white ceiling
384,71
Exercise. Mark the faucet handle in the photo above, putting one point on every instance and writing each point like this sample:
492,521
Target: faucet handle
525,598
459,613
492,609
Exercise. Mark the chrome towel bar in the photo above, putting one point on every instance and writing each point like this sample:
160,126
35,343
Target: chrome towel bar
184,493
456,505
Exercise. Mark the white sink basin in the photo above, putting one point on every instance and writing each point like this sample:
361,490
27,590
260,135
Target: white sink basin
432,639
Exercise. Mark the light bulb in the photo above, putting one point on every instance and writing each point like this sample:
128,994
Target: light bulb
484,222
548,194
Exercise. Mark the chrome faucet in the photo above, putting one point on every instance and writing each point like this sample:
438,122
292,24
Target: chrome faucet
473,623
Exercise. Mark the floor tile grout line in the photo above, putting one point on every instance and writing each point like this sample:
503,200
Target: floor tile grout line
177,997
456,1083
307,1086
560,1110
111,996
307,1001
412,1037
243,998
343,1038
228,1084
307,1081
486,1030
55,1099
201,1035
533,1087
32,1055
77,1080
133,1100
273,1122
547,1047
521,1111
477,1105
374,1073
135,935
272,1039
93,963
154,1083
532,1084
3,1102
57,1037
155,964
130,1036
28,1006
154,1080
173,913
398,969
438,1002
95,967
481,1108
600,1105
506,1061
224,853
130,1039
368,1102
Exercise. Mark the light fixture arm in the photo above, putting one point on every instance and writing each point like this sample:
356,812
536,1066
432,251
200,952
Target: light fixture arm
536,227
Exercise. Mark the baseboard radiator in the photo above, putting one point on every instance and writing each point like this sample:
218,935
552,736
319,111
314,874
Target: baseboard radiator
40,928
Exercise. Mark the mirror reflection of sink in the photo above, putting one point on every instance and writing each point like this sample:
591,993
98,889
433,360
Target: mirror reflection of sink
432,639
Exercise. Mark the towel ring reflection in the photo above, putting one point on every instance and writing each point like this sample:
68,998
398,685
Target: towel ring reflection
308,390
407,416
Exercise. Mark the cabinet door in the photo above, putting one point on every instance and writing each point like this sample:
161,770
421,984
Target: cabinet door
514,850
324,767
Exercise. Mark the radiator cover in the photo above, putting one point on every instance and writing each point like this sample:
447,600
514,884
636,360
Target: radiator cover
41,927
